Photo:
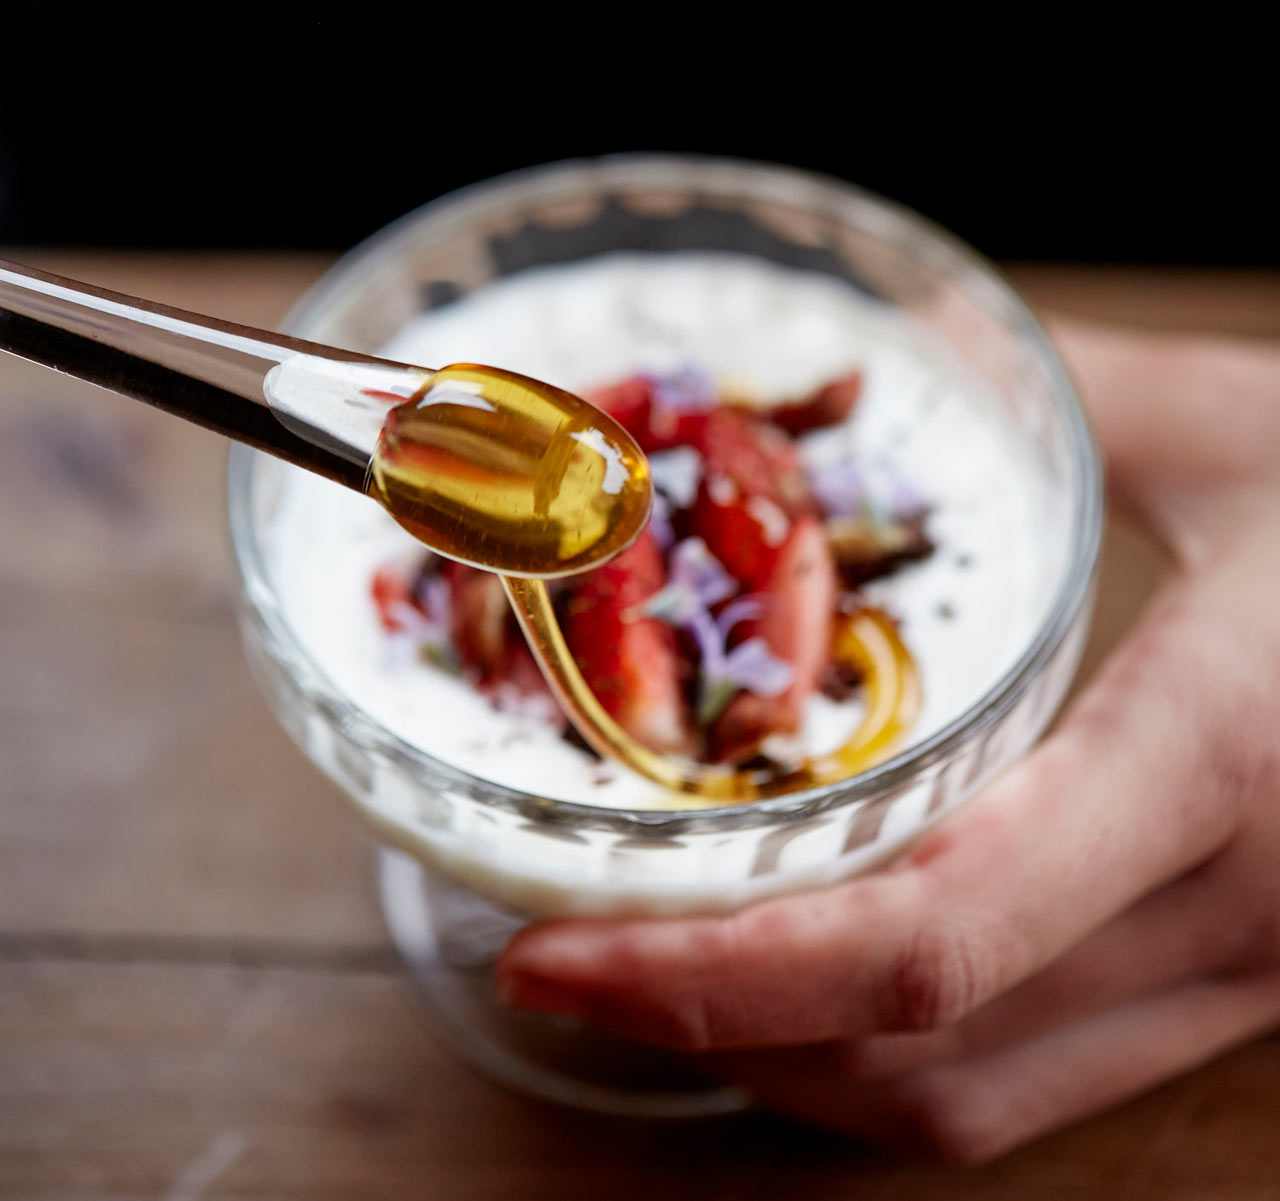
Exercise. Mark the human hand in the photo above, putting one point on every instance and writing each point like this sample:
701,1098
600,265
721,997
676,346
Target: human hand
1102,917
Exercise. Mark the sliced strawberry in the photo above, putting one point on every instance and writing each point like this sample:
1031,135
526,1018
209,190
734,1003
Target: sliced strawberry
759,459
752,491
628,403
521,669
799,599
391,588
487,638
478,615
669,428
653,425
744,532
629,660
829,405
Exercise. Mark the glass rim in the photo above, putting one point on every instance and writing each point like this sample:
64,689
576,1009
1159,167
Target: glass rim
814,193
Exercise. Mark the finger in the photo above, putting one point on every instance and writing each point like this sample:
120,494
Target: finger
1173,936
981,1107
1126,796
1157,402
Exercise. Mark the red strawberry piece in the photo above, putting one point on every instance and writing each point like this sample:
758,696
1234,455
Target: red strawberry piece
519,673
669,428
521,669
478,614
628,403
752,491
486,636
629,660
653,425
799,599
744,532
829,405
759,459
391,588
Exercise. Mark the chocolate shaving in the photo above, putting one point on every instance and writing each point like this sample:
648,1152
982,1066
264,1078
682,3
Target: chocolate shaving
840,682
866,550
829,405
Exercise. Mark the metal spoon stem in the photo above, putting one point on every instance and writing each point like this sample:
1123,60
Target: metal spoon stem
312,405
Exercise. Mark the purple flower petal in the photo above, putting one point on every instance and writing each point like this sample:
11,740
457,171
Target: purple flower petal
905,499
692,389
676,473
694,567
401,649
423,633
697,581
840,487
710,642
878,491
752,665
436,599
745,608
660,521
412,621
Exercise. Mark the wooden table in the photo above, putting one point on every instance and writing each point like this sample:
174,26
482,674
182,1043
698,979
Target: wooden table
197,998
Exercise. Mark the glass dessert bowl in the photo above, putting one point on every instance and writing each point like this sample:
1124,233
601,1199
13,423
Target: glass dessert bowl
538,272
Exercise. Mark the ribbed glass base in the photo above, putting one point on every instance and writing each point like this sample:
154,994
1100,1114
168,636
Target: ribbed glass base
450,939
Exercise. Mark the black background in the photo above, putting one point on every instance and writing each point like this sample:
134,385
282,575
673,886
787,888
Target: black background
284,126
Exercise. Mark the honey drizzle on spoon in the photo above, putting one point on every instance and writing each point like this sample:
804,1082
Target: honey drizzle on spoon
510,474
515,476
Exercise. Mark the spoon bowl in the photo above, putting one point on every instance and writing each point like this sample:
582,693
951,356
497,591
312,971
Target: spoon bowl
510,474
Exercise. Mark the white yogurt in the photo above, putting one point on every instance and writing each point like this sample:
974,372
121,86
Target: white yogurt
967,612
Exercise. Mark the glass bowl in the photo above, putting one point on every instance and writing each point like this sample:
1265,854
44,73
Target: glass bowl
469,861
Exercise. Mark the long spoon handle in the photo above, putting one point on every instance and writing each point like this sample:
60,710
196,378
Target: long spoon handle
313,405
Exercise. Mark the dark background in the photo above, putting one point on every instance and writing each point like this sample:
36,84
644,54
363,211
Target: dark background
283,127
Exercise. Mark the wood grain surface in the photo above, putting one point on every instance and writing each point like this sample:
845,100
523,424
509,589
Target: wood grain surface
197,997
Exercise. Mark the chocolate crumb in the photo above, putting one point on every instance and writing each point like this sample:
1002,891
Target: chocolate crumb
603,773
760,762
574,739
946,610
864,550
964,560
840,682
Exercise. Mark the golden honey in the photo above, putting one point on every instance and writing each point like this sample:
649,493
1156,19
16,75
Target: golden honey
510,474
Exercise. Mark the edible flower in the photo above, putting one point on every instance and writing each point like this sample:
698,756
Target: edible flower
423,629
751,665
660,521
839,487
877,491
691,389
698,580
